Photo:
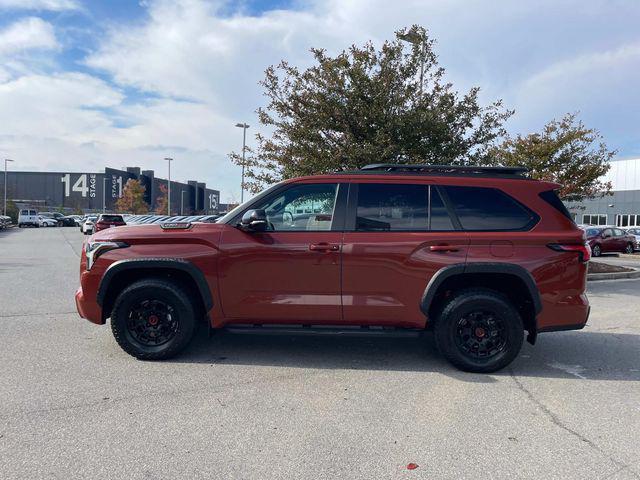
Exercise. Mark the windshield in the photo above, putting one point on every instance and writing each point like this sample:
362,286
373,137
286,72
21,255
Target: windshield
229,216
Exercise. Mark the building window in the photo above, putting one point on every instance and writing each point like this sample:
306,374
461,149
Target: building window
594,219
627,220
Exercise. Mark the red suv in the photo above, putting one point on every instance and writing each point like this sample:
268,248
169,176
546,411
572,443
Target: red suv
108,221
479,255
609,239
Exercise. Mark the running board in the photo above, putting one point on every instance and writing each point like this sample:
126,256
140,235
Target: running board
319,330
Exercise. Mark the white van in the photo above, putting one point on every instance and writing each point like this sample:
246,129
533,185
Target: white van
28,217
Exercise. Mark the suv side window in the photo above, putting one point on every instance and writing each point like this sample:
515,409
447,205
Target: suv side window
400,207
480,208
607,233
302,208
618,232
387,207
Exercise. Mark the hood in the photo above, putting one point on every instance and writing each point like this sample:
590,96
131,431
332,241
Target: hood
197,232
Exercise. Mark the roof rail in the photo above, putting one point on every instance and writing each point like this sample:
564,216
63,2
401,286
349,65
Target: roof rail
452,170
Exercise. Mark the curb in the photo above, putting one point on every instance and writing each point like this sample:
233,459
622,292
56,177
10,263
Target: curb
594,277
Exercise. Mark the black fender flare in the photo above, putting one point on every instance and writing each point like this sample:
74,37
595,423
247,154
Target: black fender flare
167,263
481,267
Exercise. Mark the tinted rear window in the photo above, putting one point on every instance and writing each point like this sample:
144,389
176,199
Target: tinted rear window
24,212
32,212
111,218
480,208
592,232
384,207
552,198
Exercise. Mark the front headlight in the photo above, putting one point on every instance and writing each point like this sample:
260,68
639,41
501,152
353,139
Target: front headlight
94,249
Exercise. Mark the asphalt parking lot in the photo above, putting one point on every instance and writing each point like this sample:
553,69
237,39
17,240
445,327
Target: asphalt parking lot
73,405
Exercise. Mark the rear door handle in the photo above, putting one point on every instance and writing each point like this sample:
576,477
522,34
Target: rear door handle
324,247
443,248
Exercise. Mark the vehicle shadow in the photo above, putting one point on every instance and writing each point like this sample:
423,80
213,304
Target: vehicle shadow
573,355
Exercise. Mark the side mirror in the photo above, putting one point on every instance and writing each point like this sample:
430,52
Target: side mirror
254,221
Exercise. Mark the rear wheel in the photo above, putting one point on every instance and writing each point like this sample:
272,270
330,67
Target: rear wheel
153,319
596,251
629,248
479,330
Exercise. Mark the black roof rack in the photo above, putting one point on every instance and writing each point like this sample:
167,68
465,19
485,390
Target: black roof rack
448,170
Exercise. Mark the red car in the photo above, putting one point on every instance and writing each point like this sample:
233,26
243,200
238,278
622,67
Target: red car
608,240
107,221
478,255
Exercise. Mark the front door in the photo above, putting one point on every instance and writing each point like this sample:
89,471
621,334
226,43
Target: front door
397,237
290,273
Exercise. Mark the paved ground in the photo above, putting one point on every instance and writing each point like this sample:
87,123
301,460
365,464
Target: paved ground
73,405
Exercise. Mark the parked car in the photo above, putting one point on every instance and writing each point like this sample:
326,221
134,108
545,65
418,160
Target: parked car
88,225
5,221
47,221
477,255
108,220
636,233
28,218
609,240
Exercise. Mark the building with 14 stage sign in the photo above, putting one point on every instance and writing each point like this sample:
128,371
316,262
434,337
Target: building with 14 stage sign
96,192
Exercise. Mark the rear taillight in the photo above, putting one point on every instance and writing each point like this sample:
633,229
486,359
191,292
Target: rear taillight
583,250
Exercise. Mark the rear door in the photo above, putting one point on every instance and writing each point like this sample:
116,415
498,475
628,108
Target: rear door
397,236
608,241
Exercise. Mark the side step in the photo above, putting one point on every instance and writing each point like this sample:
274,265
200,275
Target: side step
355,331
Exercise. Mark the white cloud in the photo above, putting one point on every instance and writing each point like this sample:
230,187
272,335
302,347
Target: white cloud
26,34
51,5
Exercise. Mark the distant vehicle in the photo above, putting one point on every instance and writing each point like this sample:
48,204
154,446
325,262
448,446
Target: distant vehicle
636,233
609,240
28,218
88,225
5,221
47,221
109,220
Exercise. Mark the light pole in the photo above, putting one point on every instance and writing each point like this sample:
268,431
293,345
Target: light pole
182,202
6,160
169,160
104,196
415,38
244,127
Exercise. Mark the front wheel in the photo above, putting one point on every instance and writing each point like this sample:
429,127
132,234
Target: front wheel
153,319
479,330
629,248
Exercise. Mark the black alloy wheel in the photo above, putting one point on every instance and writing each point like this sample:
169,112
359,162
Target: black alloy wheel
481,334
152,322
153,319
479,330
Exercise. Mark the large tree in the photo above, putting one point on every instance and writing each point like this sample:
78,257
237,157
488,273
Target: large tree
368,106
132,199
566,152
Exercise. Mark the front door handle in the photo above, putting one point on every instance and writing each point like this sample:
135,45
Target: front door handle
324,247
443,248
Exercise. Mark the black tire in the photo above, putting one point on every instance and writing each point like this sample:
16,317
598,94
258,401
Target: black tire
19,225
472,307
596,251
629,248
153,292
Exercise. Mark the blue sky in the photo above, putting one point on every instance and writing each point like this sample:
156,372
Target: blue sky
86,84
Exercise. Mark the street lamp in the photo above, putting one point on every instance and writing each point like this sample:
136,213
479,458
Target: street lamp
244,127
169,160
6,160
104,191
415,38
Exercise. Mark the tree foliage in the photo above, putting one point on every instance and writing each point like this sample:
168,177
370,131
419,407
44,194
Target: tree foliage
161,201
368,106
566,152
132,199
